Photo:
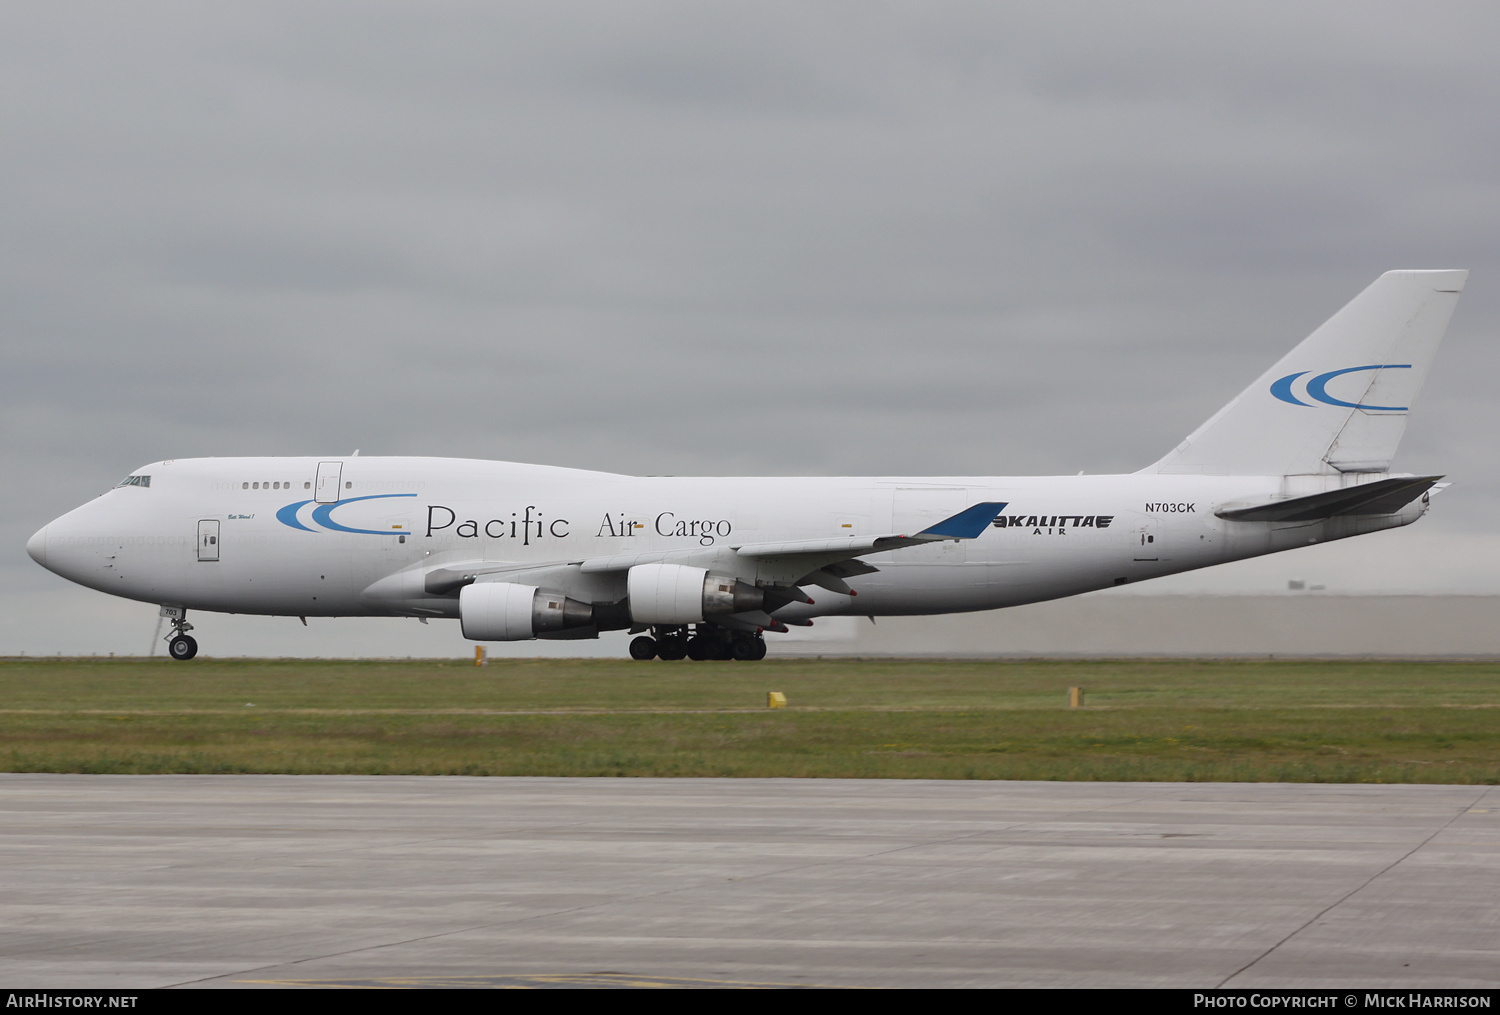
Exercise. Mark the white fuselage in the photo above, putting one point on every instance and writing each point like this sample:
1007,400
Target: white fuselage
265,536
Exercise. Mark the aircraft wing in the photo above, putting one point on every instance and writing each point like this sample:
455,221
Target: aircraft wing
827,562
824,562
967,524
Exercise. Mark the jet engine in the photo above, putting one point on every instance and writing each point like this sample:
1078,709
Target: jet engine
678,594
505,611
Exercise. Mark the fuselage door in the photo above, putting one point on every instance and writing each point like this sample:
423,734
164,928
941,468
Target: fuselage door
329,476
208,539
1143,546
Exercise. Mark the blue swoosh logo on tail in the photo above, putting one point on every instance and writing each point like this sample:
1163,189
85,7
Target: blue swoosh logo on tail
1317,388
1282,389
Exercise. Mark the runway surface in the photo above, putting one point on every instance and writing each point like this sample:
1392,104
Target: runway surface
233,881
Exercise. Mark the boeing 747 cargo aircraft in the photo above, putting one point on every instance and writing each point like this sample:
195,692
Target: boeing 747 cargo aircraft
703,567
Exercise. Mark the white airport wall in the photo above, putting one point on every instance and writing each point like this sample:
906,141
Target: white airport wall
1113,623
1122,624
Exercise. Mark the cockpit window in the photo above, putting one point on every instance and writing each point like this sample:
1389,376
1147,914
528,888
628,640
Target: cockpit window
134,481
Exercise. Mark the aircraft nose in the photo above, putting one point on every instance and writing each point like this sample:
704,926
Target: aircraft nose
36,546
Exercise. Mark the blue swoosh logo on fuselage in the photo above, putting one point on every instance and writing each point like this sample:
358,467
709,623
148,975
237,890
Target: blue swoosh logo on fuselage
323,515
288,515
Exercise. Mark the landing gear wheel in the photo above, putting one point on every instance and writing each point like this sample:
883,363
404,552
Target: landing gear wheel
720,650
697,648
673,648
183,647
643,648
760,650
743,650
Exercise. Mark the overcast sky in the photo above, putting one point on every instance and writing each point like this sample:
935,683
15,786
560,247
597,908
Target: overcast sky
800,238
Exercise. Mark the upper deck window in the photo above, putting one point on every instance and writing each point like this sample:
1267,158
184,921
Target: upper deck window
134,481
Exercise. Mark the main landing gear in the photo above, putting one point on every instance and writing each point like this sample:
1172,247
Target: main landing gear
180,644
705,642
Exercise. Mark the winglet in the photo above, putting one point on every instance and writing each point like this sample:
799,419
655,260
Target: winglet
967,524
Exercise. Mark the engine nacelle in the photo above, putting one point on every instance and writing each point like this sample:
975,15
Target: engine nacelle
505,611
678,594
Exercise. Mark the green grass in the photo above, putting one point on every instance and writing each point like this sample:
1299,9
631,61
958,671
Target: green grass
1294,721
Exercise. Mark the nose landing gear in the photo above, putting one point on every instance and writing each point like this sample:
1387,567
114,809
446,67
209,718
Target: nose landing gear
180,644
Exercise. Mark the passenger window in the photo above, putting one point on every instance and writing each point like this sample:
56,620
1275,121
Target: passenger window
307,485
244,486
257,486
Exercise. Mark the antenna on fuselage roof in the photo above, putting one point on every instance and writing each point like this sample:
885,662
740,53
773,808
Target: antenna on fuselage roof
356,453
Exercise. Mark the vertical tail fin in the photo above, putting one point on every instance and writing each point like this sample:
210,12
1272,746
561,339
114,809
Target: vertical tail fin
1337,402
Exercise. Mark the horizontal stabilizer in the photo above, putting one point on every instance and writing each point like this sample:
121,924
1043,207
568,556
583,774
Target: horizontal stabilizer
1381,498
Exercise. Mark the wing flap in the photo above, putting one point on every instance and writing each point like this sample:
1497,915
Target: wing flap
847,546
626,561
